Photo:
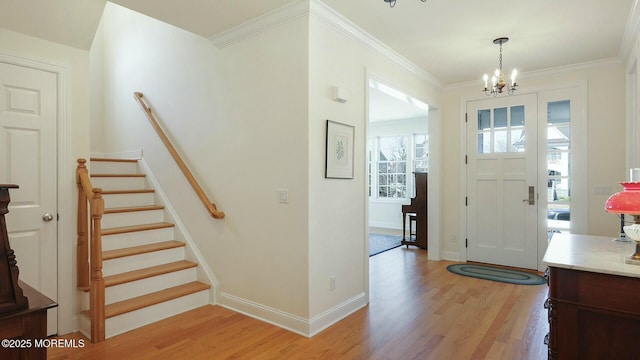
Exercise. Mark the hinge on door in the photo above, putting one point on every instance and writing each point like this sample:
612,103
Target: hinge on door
465,159
466,117
57,217
466,243
466,201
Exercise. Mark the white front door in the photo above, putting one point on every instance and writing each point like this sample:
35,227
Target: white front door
502,198
28,116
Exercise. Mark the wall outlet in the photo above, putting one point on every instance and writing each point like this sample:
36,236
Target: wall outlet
332,282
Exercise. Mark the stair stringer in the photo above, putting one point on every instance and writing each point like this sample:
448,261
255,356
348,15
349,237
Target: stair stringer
205,274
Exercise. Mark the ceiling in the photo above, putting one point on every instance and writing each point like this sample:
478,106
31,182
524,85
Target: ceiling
451,40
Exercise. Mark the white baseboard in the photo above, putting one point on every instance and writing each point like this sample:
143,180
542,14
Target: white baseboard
337,313
387,225
451,256
293,323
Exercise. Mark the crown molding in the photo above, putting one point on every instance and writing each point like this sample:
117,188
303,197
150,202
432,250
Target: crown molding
328,16
260,24
335,20
545,72
630,37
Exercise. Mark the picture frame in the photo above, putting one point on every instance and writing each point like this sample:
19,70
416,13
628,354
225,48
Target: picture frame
339,151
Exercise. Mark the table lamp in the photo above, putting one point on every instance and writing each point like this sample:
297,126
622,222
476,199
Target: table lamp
627,202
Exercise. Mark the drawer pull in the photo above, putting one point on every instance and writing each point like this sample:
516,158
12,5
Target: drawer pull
546,339
547,303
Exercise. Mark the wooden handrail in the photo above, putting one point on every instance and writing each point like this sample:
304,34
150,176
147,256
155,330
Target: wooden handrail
211,207
90,276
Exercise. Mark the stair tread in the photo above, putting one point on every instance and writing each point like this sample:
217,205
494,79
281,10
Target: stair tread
132,209
118,175
142,249
114,160
123,307
115,192
134,228
148,272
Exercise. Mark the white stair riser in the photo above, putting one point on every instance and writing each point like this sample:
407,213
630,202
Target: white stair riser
108,167
132,218
136,238
135,319
144,286
119,183
124,200
137,262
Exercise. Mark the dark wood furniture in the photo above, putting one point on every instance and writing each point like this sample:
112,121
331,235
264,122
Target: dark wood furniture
23,310
418,209
24,329
11,297
594,308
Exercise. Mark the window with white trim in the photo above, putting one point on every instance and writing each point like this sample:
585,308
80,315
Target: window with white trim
391,161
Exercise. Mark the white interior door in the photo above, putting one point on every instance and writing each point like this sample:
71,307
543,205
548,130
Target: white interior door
502,198
28,115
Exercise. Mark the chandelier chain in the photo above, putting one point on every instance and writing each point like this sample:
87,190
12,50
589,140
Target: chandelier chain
500,61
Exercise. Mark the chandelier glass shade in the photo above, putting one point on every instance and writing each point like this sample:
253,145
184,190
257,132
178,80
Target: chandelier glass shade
498,84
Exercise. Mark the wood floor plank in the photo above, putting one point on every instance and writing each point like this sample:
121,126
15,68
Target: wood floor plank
417,310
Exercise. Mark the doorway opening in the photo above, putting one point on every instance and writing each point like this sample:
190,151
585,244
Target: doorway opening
397,148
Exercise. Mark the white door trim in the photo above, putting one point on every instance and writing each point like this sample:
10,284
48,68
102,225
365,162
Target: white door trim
66,186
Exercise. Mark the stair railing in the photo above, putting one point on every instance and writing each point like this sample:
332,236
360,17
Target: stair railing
211,207
90,265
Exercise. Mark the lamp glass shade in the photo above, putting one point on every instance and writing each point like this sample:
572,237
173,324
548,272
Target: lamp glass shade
626,201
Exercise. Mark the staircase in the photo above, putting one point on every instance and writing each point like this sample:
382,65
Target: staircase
146,273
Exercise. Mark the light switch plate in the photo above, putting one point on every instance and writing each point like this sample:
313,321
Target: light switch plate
283,196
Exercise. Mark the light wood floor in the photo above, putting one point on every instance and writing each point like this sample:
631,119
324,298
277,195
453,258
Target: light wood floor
417,310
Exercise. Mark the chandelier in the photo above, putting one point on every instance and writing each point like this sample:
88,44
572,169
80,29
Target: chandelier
498,84
392,3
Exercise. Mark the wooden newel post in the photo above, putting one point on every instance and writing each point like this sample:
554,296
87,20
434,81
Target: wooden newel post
11,296
82,246
97,296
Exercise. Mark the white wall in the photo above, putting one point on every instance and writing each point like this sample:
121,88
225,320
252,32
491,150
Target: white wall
606,141
337,207
72,67
239,117
387,213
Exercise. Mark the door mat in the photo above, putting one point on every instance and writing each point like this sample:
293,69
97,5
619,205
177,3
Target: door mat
497,274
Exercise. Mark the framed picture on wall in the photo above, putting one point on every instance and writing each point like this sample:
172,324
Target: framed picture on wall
339,156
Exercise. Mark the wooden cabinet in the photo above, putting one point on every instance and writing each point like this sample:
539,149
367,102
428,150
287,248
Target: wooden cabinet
594,300
593,316
25,329
23,310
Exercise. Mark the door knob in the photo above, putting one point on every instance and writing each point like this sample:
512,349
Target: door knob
47,217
